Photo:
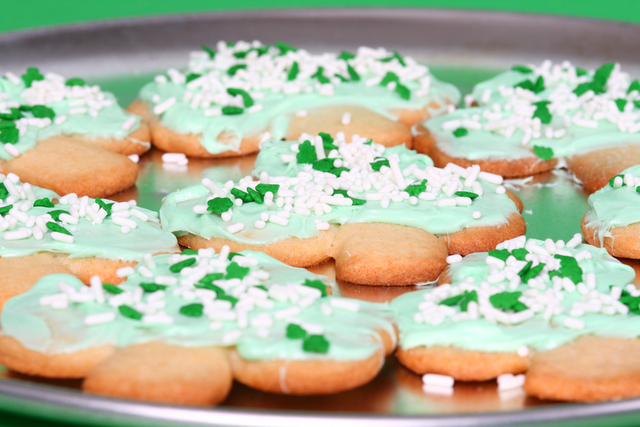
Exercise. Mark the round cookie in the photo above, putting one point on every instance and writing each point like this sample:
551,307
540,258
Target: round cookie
384,214
203,319
42,233
524,308
67,136
229,100
535,118
613,222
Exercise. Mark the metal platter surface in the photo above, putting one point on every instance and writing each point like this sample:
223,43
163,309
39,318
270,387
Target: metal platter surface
462,47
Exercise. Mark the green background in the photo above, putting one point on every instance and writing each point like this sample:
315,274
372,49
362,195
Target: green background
22,14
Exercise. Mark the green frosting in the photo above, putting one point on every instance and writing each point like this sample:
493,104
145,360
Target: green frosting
90,239
177,212
351,334
278,105
614,207
108,123
490,335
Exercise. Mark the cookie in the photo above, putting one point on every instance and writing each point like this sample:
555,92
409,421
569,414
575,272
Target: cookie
67,136
612,221
229,100
203,319
535,118
385,215
524,304
43,233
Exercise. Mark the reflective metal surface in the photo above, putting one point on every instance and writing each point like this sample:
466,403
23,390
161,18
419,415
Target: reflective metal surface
121,55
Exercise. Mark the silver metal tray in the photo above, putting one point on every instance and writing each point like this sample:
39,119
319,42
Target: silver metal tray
462,47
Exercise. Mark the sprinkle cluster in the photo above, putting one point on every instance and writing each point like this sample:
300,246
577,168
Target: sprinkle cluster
334,173
46,99
229,290
552,98
527,279
18,221
233,78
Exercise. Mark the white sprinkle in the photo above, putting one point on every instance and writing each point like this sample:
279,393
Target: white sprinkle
231,337
452,259
344,304
510,381
134,158
124,272
501,190
572,323
346,118
128,124
476,215
438,380
490,177
523,351
164,106
19,234
235,228
12,150
99,319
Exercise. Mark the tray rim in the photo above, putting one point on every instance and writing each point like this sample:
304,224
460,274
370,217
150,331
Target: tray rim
16,395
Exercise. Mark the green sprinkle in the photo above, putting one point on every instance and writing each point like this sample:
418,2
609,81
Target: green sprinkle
613,178
232,71
468,194
4,193
189,251
6,123
632,302
239,194
520,254
242,54
234,271
219,204
621,103
210,278
323,165
32,74
112,289
56,214
635,85
581,72
257,197
217,289
316,284
152,287
295,332
58,228
130,312
342,78
338,171
345,56
9,135
106,206
388,78
319,76
522,69
231,111
246,98
451,301
583,88
5,209
192,76
315,344
75,81
460,132
403,91
232,254
178,266
602,74
545,153
232,300
369,142
192,310
356,201
306,153
210,51
41,112
415,189
353,73
532,272
284,47
267,188
263,287
327,141
507,301
378,164
396,56
501,254
568,268
542,112
14,115
293,72
44,202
